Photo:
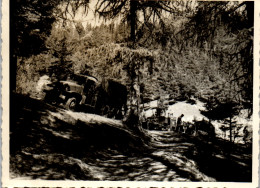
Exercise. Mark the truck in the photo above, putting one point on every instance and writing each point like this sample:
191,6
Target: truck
87,93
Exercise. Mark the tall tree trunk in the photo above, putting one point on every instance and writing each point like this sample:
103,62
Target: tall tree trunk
135,91
133,7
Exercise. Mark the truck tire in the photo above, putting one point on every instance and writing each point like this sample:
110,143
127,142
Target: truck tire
71,104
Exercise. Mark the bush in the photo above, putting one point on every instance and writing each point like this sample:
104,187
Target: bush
29,72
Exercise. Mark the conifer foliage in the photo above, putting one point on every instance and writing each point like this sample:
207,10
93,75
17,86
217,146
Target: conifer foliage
177,48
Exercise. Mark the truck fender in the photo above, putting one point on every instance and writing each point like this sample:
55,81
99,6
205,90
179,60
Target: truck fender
83,99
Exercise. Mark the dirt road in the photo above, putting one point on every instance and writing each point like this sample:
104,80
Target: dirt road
55,144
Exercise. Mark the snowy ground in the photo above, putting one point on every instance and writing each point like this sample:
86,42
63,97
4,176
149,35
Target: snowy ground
193,112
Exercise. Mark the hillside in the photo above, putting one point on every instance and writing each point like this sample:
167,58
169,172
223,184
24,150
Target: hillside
56,144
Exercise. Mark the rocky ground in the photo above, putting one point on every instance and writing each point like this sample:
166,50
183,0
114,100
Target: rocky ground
47,142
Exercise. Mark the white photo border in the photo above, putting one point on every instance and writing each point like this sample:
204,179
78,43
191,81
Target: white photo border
7,182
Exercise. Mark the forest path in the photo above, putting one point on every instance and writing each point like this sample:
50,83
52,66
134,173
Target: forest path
55,144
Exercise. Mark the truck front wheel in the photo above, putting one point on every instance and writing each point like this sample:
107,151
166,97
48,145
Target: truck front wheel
71,104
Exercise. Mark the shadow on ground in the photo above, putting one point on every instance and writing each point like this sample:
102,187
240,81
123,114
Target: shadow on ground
50,143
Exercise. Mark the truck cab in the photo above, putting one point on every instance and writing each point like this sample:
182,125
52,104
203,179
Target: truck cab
76,91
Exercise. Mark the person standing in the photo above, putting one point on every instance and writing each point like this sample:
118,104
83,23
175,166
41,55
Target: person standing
179,123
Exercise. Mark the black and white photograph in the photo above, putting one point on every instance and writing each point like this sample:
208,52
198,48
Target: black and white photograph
160,91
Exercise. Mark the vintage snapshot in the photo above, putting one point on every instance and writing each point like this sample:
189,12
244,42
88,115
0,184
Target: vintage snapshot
130,93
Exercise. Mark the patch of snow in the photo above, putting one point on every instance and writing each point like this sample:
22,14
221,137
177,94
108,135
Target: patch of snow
244,122
189,111
152,104
149,113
